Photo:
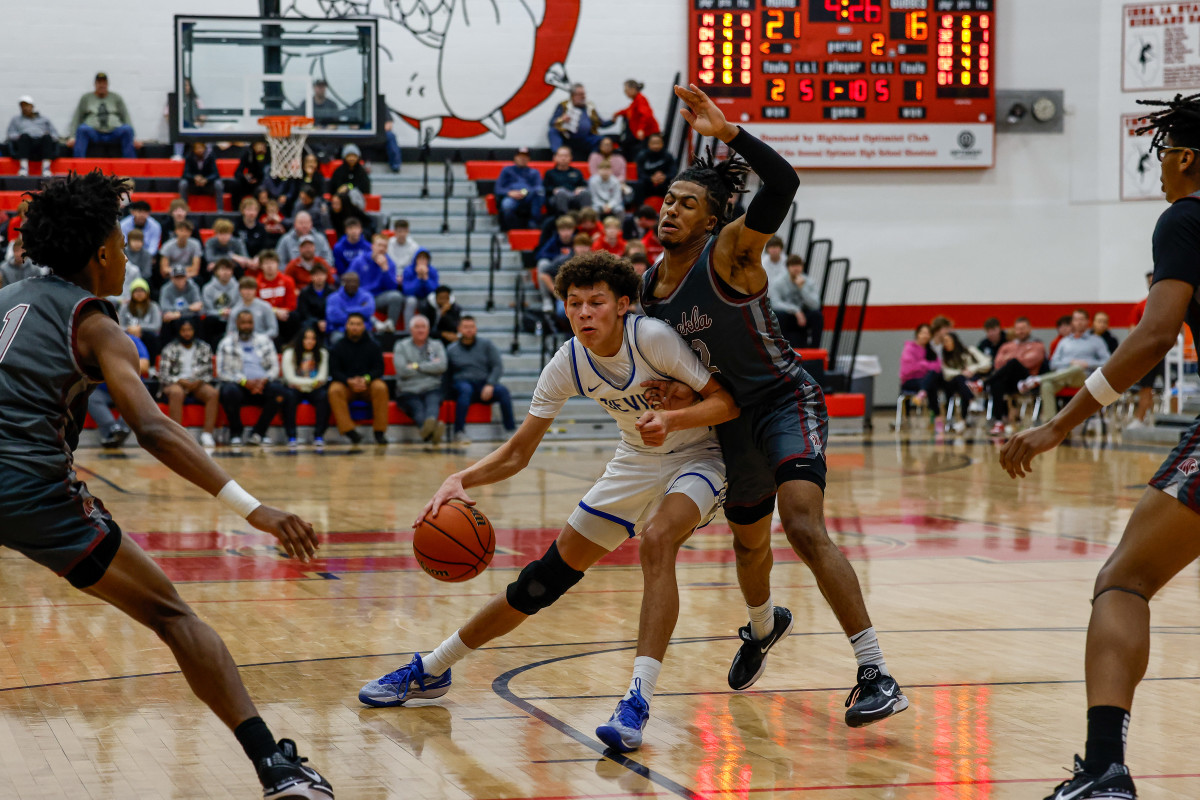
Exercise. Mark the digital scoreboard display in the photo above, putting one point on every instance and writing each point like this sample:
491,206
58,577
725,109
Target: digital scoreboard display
853,83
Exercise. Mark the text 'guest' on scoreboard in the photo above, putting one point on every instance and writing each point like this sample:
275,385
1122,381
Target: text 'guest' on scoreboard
853,83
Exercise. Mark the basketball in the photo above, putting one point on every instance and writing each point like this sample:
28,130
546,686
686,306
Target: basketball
456,544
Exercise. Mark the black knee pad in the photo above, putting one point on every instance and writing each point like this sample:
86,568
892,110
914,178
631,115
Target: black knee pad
1119,589
542,582
748,515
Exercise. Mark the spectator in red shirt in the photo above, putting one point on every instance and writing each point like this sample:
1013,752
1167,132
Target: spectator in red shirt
300,268
278,291
611,239
639,118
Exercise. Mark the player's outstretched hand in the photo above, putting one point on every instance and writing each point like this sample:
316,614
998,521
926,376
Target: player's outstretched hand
297,536
699,111
654,427
668,395
1018,452
451,489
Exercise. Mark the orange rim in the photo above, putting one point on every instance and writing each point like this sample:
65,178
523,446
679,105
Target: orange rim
281,126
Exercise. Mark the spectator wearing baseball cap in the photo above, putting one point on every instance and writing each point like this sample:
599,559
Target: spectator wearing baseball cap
300,268
519,190
31,136
101,116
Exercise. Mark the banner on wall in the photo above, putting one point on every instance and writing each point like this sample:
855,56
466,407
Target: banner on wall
1140,176
1161,44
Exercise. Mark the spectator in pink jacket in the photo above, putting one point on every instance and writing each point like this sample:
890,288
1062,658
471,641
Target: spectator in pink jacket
920,367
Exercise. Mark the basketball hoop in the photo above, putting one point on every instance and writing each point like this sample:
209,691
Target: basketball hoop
285,136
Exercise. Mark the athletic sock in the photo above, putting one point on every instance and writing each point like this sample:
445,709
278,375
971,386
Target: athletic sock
448,653
255,738
1108,727
867,650
645,677
762,620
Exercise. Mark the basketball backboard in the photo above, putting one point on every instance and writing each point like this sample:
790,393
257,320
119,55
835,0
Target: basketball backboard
229,71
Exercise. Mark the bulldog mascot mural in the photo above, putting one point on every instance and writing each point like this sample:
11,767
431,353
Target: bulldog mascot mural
461,68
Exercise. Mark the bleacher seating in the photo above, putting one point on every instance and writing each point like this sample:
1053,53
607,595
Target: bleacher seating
162,172
485,173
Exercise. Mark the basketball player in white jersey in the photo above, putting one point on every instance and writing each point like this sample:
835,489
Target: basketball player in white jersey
666,478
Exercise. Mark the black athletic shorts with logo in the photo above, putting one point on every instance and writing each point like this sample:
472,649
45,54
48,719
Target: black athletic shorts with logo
58,524
1179,475
773,441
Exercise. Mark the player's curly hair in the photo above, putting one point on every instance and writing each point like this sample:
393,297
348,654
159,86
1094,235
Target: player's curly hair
69,219
599,266
1178,118
721,179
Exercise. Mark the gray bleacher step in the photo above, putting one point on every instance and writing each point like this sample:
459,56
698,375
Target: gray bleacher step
456,239
392,204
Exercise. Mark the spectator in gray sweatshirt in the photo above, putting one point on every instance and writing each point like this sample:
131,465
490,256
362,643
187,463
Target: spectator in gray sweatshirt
420,363
220,295
475,370
265,321
31,136
1076,356
796,304
608,193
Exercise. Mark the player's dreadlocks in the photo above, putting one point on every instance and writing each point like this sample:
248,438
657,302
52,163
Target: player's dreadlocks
1178,118
721,179
69,219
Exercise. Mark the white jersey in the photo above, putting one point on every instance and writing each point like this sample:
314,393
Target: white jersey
651,350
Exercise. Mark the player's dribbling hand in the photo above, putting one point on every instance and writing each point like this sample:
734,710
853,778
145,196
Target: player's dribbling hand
1018,452
700,112
451,489
297,536
654,427
668,395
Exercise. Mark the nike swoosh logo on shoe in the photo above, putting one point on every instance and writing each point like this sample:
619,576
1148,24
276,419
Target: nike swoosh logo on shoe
1077,792
889,691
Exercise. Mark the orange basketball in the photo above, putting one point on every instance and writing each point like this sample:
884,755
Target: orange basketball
456,544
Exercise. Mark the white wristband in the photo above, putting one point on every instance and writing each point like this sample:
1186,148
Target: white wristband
1100,389
238,499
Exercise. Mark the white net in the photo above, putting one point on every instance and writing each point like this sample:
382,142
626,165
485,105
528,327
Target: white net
285,138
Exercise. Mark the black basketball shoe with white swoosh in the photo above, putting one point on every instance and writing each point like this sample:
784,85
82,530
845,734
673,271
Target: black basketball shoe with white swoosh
751,658
877,696
285,777
1114,784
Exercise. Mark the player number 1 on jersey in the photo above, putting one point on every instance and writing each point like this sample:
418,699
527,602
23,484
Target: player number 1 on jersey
12,324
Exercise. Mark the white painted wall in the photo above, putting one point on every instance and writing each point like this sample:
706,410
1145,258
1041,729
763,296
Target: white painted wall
1044,224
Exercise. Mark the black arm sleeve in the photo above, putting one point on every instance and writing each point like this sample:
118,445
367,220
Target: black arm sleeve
770,205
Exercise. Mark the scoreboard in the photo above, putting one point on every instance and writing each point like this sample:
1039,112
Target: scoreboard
853,83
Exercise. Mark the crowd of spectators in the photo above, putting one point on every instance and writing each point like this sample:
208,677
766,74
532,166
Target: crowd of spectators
936,365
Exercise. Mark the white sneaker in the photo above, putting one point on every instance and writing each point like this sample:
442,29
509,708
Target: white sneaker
260,440
46,172
235,441
1136,425
1028,384
23,170
207,440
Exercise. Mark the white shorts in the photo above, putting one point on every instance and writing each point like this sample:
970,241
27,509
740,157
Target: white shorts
634,483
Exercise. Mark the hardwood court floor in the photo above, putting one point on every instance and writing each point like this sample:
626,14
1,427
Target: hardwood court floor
979,587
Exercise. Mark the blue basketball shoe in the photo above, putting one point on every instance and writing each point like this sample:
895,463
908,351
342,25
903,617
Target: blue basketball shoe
623,731
410,682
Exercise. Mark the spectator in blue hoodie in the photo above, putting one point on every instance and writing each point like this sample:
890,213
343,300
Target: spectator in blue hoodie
377,272
350,247
350,299
519,190
420,280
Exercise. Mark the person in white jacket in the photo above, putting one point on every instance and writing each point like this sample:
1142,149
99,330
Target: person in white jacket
960,365
306,372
